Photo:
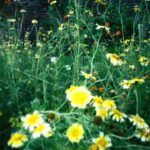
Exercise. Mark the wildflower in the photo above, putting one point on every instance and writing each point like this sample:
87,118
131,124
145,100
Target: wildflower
117,115
115,59
97,101
34,21
109,104
103,141
143,134
144,61
61,27
75,133
102,113
52,2
22,11
107,29
78,96
136,8
17,140
11,20
118,33
32,120
42,129
87,76
101,90
94,147
137,81
54,60
138,121
127,41
132,67
94,88
126,84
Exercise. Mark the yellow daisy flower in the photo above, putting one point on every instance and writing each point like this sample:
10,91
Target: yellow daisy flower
42,129
126,84
137,81
103,113
109,104
31,121
138,121
144,61
75,133
143,134
97,101
117,115
79,96
17,140
115,59
103,142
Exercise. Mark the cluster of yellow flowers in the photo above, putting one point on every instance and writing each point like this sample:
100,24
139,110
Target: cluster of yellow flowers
80,97
36,125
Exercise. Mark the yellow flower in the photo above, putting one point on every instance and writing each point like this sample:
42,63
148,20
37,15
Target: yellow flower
126,42
32,120
136,8
144,61
42,129
126,84
103,113
78,96
88,76
115,59
75,133
97,101
143,134
109,104
17,140
138,121
94,147
137,81
117,115
103,142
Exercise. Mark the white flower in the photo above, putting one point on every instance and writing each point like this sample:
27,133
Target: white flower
30,121
54,60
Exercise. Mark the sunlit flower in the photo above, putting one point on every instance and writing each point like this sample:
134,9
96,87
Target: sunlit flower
87,76
109,104
102,113
78,96
103,141
143,134
54,59
107,29
117,115
17,140
144,61
75,133
42,129
115,59
126,84
138,121
32,120
127,41
97,101
136,8
34,21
